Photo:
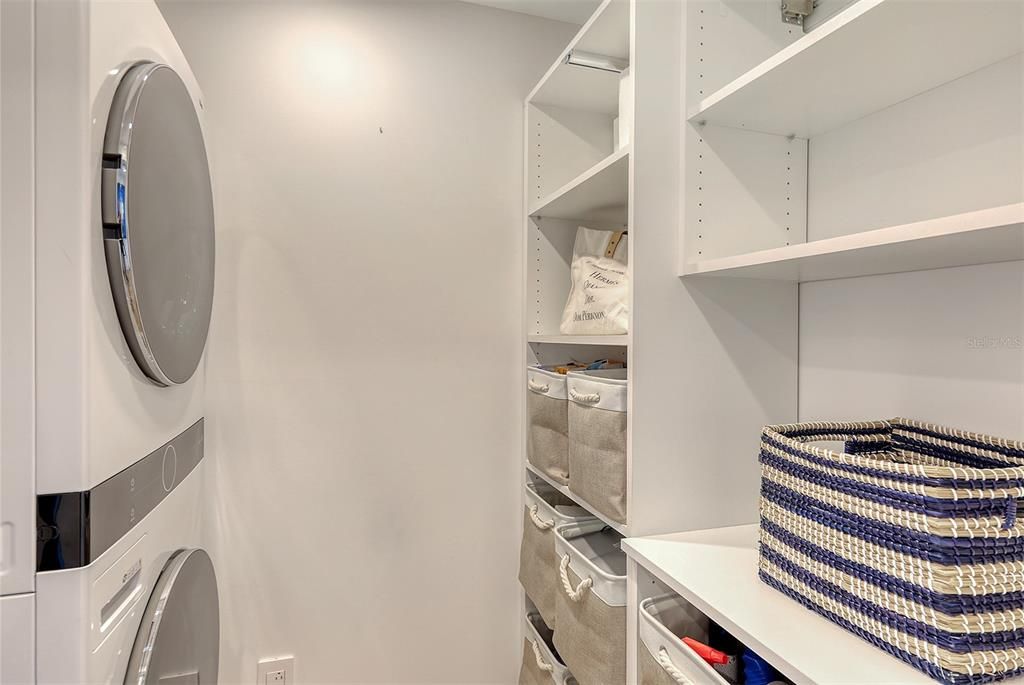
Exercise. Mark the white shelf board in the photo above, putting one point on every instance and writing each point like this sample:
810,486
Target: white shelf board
592,90
869,56
979,237
579,339
598,194
716,570
620,528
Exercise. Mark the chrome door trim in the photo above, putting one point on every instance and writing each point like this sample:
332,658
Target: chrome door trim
195,570
114,206
134,81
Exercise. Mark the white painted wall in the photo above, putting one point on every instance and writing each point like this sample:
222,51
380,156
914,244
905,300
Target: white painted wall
945,346
365,341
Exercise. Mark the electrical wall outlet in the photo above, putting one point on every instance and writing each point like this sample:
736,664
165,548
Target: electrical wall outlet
276,671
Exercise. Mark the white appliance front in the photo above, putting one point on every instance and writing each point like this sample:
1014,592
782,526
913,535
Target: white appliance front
124,240
145,611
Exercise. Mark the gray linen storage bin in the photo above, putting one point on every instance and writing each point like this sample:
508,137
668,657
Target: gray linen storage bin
662,656
547,439
545,509
597,439
541,665
591,604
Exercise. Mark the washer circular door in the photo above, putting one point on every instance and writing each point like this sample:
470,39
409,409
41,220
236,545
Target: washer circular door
179,638
158,228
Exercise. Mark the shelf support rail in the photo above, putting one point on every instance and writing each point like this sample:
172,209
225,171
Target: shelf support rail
795,11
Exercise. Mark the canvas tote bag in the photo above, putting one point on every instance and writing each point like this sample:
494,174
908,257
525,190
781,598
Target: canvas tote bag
598,302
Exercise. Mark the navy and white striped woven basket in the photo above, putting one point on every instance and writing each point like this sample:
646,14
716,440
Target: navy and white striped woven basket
909,538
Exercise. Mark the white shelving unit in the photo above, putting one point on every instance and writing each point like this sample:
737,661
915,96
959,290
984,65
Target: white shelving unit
984,236
618,527
689,403
574,176
873,54
855,196
599,193
716,571
758,205
589,90
616,340
820,225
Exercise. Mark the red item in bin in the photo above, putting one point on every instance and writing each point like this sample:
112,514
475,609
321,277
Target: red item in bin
708,654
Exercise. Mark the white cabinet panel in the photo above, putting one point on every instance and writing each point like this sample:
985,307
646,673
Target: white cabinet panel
17,515
17,640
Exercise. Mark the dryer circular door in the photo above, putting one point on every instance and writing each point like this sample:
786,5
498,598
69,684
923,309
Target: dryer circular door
158,229
179,638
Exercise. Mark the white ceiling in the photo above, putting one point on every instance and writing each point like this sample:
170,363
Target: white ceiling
572,11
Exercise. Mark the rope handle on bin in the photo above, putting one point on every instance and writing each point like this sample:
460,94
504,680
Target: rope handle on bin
581,589
541,664
590,398
537,387
666,663
538,521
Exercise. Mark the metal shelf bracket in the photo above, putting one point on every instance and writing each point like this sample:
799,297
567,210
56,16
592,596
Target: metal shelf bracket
795,11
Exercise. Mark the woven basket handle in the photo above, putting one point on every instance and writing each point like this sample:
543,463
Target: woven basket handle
575,594
858,436
666,663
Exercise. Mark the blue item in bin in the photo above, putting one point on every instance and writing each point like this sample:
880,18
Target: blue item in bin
604,364
756,670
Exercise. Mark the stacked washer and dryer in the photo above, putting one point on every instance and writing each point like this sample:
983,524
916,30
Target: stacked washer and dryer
107,284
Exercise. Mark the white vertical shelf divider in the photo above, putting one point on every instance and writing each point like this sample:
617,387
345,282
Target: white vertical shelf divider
711,361
707,360
574,175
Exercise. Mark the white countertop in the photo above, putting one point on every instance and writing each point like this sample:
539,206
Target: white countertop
716,570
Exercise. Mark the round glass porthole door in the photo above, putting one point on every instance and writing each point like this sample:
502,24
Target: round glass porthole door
179,639
158,227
